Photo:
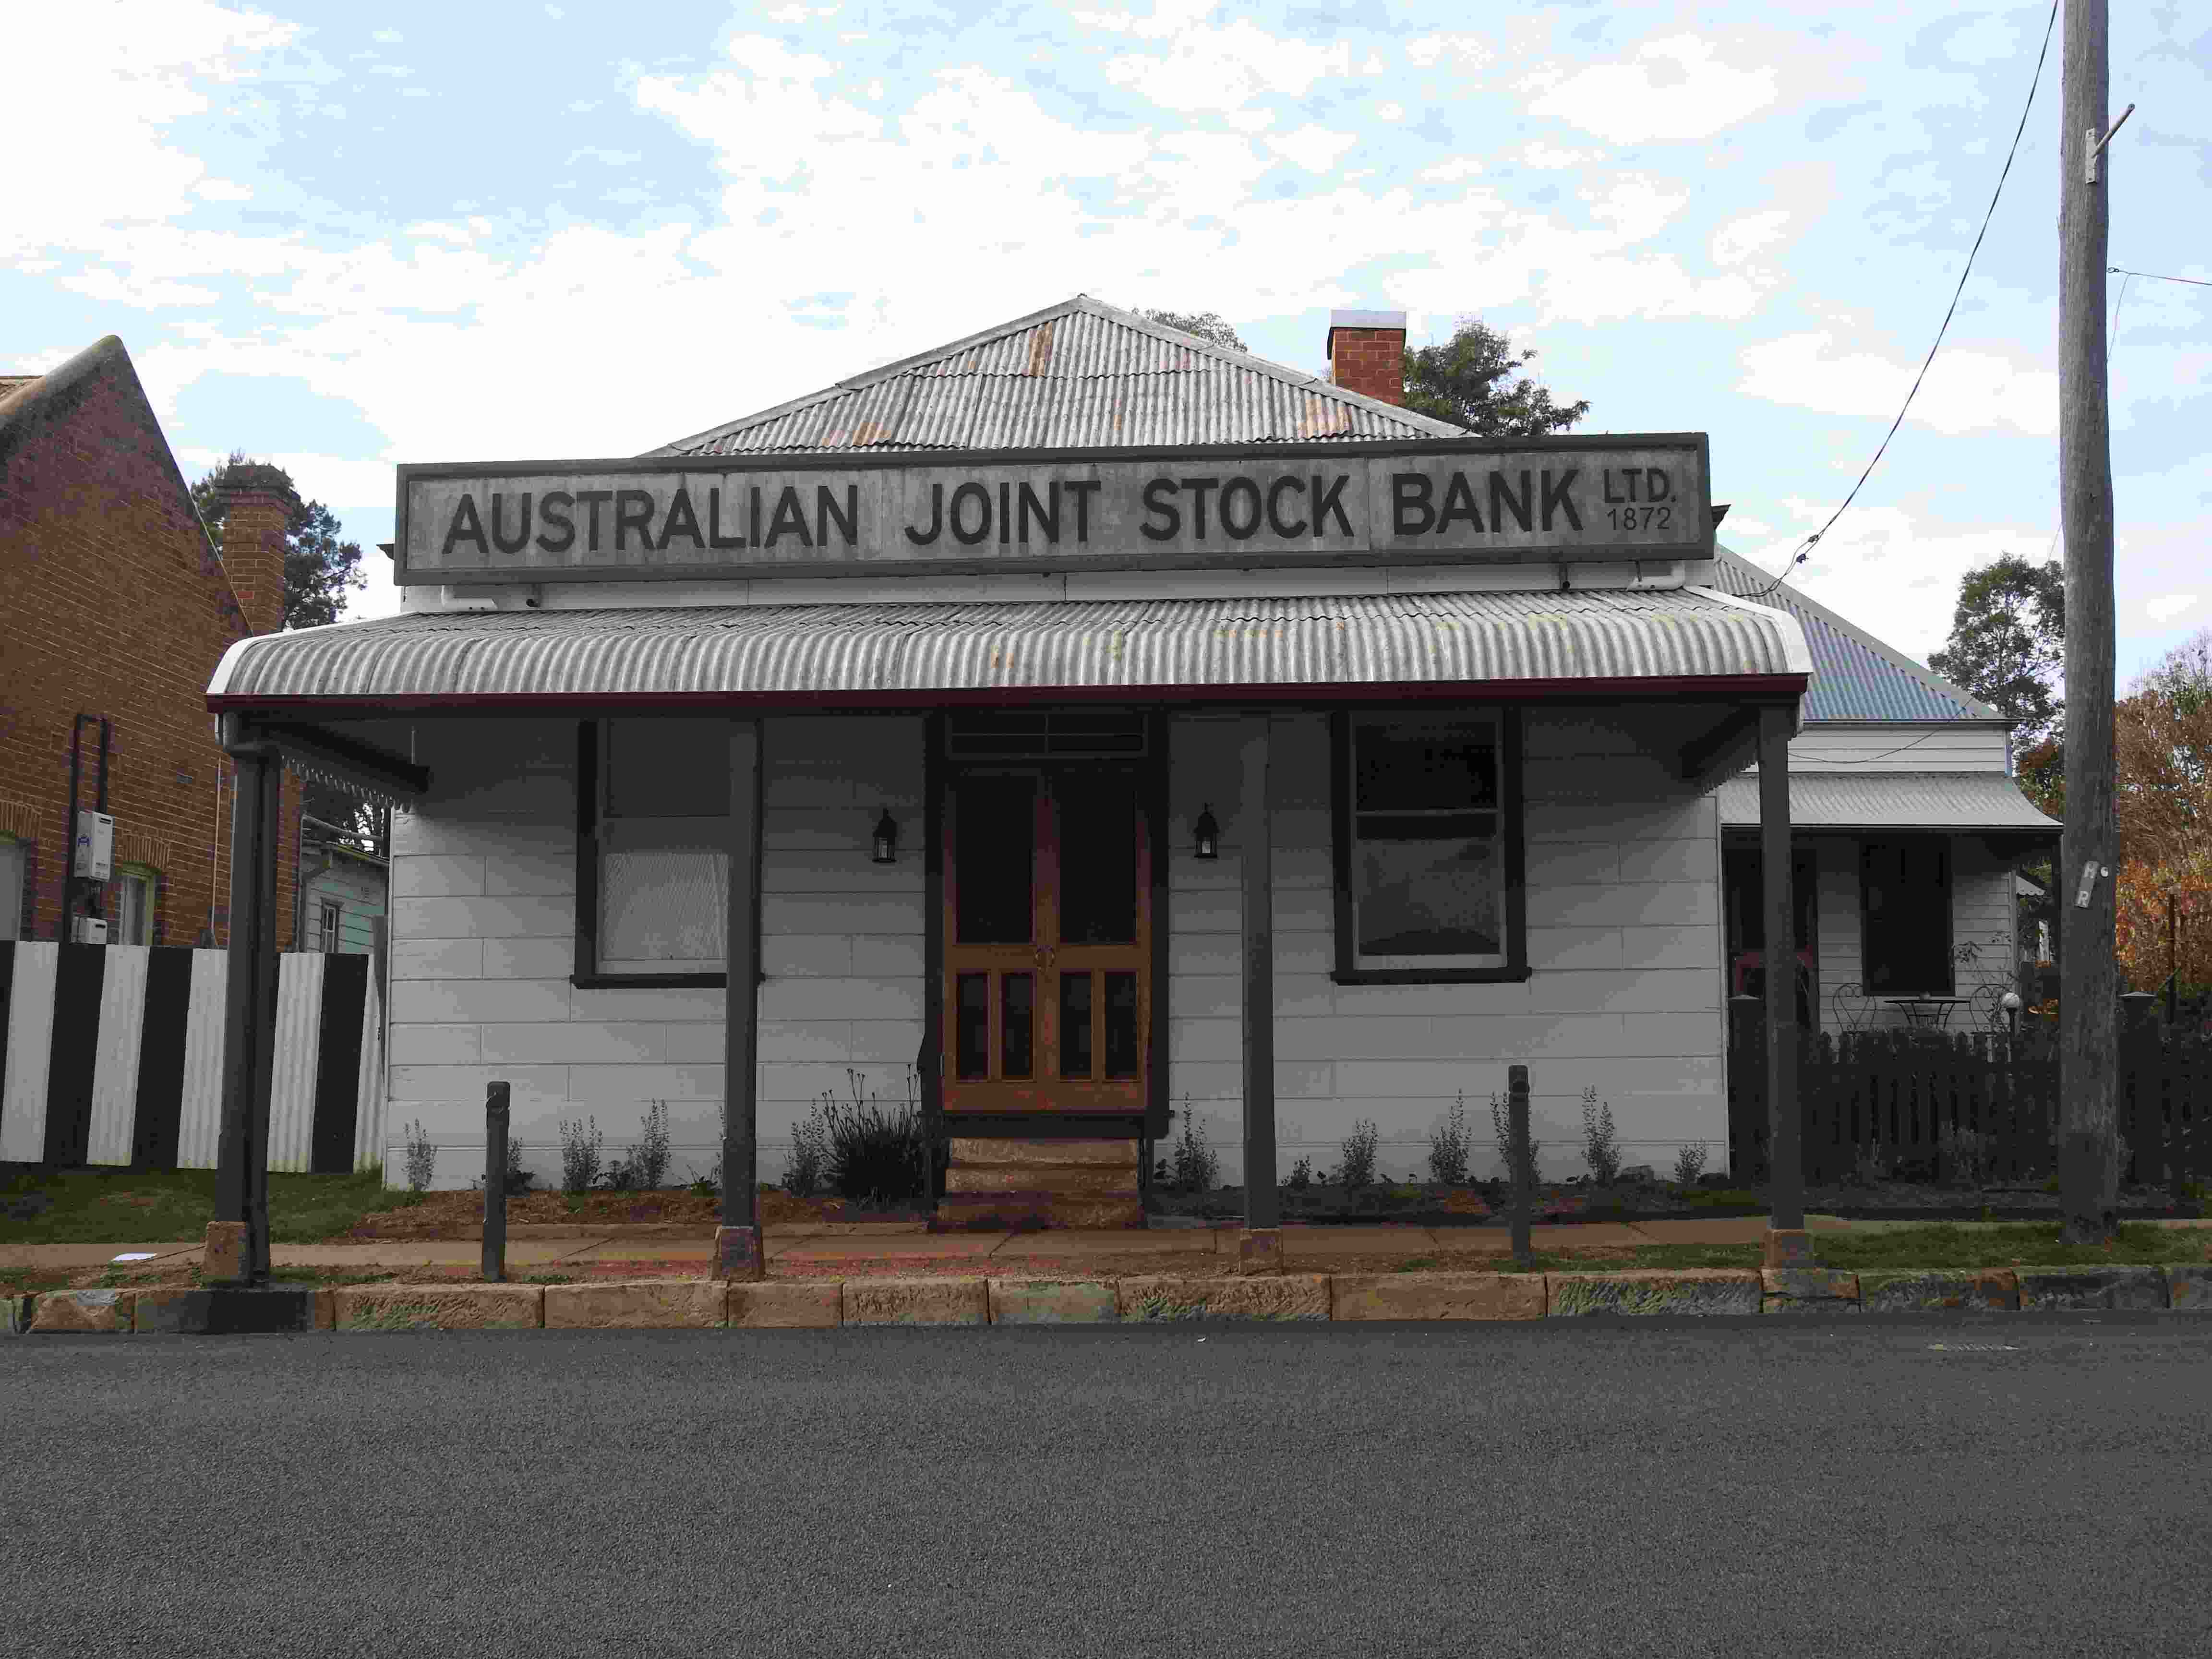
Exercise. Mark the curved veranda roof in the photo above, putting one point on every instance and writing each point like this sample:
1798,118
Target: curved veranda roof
910,654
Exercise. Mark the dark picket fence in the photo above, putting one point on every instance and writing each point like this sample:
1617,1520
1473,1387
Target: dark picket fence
1906,1099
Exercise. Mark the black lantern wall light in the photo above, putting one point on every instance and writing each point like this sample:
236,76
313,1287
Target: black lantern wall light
1207,833
886,848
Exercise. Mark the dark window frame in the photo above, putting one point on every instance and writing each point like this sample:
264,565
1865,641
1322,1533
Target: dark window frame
587,976
1511,809
1743,914
1948,881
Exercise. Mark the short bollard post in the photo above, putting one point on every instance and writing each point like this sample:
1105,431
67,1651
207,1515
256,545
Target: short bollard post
495,1216
1524,1173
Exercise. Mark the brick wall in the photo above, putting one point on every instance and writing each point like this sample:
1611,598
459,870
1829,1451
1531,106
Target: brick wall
1368,361
113,604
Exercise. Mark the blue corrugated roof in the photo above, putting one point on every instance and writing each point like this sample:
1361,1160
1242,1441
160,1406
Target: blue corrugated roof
1855,675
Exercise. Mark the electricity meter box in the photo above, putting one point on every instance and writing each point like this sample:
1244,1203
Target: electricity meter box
90,930
95,847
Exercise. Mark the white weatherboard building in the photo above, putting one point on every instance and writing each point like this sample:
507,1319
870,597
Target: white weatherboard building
1094,722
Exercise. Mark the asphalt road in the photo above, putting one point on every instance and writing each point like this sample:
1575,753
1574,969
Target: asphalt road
2016,1485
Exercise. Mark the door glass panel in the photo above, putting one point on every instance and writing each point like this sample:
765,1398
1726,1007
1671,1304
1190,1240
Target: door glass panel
995,832
1017,1025
1097,819
1075,1025
1121,1025
972,1041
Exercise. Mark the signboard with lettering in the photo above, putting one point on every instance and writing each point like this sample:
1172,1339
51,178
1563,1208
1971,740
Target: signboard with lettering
1444,501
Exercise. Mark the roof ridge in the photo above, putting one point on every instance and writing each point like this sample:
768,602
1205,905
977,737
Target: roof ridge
1975,708
1229,357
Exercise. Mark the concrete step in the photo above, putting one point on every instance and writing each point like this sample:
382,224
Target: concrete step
1038,1177
999,1211
1041,1183
980,1150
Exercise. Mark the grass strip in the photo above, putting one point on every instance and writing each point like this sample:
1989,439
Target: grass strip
122,1206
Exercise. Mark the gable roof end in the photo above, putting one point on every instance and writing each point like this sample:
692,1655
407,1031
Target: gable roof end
1078,374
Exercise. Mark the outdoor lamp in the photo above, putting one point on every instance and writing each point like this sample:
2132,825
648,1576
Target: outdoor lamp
2010,1003
886,838
1208,834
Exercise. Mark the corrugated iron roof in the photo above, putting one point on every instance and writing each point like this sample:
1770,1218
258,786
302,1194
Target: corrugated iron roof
861,652
1890,800
1076,375
1855,675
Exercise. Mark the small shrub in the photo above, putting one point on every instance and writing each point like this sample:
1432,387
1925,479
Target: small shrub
518,1178
1690,1163
1501,1127
1301,1176
581,1158
648,1159
1196,1168
1964,1155
1601,1146
877,1154
808,1156
1358,1169
421,1157
1450,1148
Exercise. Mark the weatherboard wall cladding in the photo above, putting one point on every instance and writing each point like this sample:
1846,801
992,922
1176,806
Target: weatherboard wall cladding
1984,909
1624,937
483,885
113,1055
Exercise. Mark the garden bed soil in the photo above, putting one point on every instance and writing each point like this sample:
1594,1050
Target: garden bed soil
1432,1205
460,1215
1572,1202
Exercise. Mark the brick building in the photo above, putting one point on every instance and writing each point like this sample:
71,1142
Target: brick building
114,610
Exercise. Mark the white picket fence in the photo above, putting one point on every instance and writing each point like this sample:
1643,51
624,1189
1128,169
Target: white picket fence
113,1054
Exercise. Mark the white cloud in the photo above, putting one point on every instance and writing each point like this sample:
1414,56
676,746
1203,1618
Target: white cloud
1548,157
1390,112
1313,147
1468,53
1228,67
1739,239
141,68
1672,91
1894,571
2166,606
222,190
1965,391
1168,19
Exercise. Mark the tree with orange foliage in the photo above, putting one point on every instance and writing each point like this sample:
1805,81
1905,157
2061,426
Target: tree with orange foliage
2163,754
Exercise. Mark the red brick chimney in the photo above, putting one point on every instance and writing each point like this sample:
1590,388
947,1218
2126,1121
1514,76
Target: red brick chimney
1367,353
258,504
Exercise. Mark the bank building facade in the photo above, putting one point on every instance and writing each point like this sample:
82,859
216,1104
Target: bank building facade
1080,726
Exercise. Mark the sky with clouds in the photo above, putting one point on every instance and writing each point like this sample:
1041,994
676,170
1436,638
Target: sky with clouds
341,240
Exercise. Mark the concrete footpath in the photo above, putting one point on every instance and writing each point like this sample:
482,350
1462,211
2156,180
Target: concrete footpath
802,1249
894,1274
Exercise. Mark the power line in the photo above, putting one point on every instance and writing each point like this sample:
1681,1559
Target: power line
1811,541
2154,276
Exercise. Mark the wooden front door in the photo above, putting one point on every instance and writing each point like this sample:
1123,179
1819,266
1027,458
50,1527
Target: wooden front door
1048,940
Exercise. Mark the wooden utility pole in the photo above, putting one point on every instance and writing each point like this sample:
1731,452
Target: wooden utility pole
2088,1176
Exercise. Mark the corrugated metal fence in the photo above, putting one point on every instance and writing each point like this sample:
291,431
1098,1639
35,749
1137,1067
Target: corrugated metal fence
113,1054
